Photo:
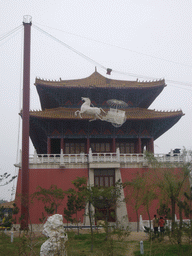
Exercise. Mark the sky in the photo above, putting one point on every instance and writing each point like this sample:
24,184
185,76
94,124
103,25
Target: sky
142,39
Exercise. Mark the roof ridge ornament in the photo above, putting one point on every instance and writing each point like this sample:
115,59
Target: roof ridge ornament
109,70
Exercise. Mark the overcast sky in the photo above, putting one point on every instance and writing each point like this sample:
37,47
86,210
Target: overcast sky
138,38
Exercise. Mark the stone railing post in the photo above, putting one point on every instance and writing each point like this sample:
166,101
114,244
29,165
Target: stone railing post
82,157
90,156
35,157
61,158
118,154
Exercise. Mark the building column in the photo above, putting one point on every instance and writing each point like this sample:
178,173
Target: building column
48,145
90,182
121,210
113,145
139,149
88,145
151,145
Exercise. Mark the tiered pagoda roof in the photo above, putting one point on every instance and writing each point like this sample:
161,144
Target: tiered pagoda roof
99,89
97,80
60,99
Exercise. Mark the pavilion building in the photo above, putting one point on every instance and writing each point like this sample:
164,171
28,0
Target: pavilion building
67,146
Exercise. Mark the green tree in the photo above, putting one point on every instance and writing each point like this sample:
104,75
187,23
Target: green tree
51,197
93,197
172,185
6,178
187,207
107,198
135,190
188,203
141,192
150,193
172,181
76,199
164,210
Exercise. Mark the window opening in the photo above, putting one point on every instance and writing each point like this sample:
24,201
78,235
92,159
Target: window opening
100,147
74,147
126,147
104,178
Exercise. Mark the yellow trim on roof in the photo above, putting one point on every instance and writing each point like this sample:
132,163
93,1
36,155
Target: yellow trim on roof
131,114
97,80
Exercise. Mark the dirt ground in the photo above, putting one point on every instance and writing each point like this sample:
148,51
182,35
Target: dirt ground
137,236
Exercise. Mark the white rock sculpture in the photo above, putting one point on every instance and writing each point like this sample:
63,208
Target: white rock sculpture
54,230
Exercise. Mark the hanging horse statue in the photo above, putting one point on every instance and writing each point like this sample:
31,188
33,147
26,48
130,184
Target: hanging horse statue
90,110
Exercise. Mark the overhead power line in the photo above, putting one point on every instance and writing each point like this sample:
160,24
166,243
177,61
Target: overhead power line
153,78
117,46
10,33
69,47
7,35
114,71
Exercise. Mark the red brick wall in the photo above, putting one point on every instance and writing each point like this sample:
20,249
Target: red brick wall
127,174
45,178
63,178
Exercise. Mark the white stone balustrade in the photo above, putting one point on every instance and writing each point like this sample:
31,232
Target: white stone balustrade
117,157
57,158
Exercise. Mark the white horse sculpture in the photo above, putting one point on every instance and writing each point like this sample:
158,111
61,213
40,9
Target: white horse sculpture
87,109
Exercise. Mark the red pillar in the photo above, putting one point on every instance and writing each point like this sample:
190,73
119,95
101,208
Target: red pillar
25,125
88,145
48,145
151,145
139,146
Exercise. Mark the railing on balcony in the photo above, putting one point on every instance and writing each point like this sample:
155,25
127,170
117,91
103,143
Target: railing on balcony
58,158
63,159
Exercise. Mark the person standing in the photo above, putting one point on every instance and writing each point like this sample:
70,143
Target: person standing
155,224
161,225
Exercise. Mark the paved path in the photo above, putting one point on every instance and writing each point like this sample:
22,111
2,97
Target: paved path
135,237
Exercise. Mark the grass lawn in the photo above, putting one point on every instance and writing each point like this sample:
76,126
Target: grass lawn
157,248
76,245
80,245
25,245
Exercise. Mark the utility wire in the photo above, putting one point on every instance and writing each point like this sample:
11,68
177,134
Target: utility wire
120,47
186,89
2,42
10,32
135,75
69,47
180,83
149,77
93,61
115,71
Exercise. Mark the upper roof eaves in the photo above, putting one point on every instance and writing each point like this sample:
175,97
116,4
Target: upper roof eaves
131,114
97,80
